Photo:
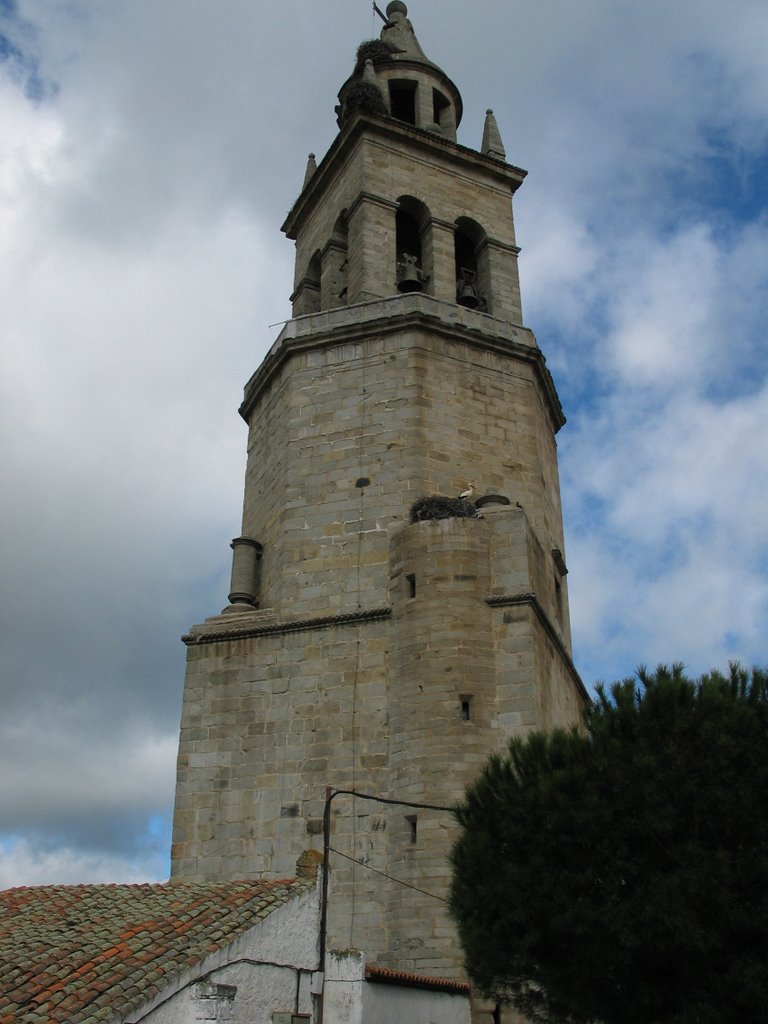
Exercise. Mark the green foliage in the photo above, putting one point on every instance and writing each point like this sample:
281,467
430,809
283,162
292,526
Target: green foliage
620,873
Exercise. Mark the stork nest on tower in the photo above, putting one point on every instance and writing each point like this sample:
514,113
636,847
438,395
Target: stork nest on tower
376,50
366,97
439,506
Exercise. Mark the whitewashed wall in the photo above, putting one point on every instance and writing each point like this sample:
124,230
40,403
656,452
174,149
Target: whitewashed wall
268,969
350,999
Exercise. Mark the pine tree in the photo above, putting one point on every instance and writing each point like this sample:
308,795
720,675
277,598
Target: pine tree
620,872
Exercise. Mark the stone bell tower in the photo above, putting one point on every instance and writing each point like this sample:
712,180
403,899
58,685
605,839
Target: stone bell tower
362,650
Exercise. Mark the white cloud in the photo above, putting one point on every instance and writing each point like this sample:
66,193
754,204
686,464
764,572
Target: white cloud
670,533
662,315
24,863
559,259
29,147
140,267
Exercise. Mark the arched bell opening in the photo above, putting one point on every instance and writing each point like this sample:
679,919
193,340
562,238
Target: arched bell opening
306,295
411,219
472,284
335,261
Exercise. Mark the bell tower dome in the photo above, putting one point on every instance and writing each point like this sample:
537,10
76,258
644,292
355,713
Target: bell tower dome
382,637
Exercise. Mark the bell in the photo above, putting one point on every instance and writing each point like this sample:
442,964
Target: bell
408,278
467,295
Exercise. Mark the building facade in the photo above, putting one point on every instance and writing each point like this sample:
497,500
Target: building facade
368,647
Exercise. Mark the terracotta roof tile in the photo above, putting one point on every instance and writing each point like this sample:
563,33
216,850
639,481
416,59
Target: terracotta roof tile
71,954
376,973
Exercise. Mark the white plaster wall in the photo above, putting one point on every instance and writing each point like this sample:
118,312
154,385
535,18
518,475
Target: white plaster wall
269,966
392,1004
260,990
343,989
349,999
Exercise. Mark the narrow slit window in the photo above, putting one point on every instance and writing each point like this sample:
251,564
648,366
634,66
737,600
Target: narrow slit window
410,581
413,826
465,709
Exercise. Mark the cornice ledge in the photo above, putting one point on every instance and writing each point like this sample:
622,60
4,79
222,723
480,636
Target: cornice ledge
385,316
373,199
215,634
495,243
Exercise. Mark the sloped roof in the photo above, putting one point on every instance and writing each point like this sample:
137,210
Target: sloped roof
71,954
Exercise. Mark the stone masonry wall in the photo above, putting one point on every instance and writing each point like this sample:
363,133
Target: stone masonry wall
367,427
268,723
375,705
442,718
386,657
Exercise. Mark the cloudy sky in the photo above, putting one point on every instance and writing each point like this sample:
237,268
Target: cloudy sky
149,150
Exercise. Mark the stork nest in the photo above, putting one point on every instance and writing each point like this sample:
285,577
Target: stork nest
439,506
376,50
366,97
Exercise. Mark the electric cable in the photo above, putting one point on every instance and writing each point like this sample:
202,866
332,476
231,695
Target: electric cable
385,875
390,800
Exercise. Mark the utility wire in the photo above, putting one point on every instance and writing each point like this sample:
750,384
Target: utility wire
387,800
360,521
330,793
385,875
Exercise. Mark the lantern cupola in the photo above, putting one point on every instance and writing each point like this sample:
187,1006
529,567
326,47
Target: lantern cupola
410,87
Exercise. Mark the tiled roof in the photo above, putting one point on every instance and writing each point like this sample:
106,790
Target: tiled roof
374,972
90,953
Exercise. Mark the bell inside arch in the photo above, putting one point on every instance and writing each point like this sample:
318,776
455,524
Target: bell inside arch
466,293
409,277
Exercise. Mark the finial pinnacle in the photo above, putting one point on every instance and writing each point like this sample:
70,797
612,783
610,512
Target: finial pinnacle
311,167
492,144
396,7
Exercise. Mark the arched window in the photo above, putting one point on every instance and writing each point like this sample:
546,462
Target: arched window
333,280
412,262
313,270
306,297
472,284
